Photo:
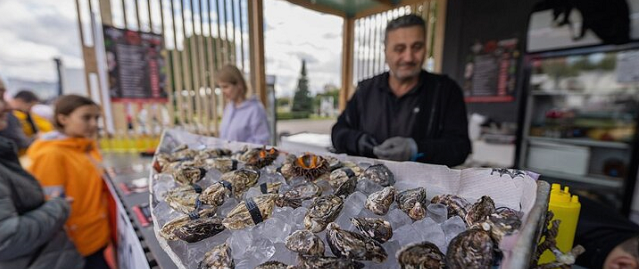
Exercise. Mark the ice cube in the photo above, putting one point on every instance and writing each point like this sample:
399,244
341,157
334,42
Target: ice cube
239,242
452,227
366,186
325,186
405,235
391,248
252,192
261,250
275,230
344,221
297,218
430,231
437,212
228,205
307,203
282,254
398,218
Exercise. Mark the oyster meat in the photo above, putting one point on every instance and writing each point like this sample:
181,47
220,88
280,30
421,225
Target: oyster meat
425,255
199,229
218,258
346,188
305,242
379,174
323,210
412,202
188,174
167,229
250,212
272,265
376,228
480,211
457,206
472,248
352,245
240,180
379,202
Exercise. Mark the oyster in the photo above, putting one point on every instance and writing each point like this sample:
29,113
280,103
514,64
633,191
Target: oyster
305,242
215,194
313,262
218,258
340,175
224,164
379,174
250,212
352,245
183,198
310,166
347,187
271,188
323,210
479,211
272,265
240,180
457,206
411,201
260,157
167,229
472,248
298,193
214,153
425,255
504,221
376,228
188,174
199,229
379,202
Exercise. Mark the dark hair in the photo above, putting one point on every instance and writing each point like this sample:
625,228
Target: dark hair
404,22
66,104
631,246
26,96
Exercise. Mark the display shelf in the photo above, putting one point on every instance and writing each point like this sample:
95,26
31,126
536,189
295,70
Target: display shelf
600,181
576,93
581,142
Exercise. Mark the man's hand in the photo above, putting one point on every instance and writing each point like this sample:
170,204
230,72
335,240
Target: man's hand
396,149
365,145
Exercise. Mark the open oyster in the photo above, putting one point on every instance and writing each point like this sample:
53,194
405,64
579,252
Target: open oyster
313,262
376,228
167,229
240,180
479,211
425,255
323,210
504,221
250,212
310,166
303,191
346,188
352,245
472,248
188,174
339,176
199,229
260,157
218,258
457,206
305,242
379,174
411,201
272,265
379,202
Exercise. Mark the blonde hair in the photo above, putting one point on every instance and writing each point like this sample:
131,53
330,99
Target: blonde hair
231,74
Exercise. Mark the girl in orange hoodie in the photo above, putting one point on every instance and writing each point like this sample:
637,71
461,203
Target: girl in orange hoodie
67,162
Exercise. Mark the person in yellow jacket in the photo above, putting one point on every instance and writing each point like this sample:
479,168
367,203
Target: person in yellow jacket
67,162
32,124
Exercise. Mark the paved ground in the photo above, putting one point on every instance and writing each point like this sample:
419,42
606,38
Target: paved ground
311,126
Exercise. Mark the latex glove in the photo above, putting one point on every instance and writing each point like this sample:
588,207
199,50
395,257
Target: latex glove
396,149
365,145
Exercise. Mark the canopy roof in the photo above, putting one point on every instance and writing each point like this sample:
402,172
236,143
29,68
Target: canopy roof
352,8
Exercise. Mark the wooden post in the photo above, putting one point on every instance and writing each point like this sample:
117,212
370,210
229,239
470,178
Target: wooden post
347,61
438,50
256,41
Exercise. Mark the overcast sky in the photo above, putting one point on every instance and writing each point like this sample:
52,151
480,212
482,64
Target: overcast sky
33,32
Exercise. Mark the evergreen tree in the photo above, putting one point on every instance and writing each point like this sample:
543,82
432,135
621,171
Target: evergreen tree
302,101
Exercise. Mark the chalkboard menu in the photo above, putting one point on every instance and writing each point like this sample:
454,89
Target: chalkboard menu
136,68
490,71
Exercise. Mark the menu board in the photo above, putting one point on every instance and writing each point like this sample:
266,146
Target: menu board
136,68
490,71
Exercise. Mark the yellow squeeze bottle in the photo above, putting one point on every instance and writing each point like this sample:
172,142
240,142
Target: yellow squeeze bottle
566,208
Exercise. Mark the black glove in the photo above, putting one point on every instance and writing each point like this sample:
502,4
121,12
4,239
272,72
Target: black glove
365,145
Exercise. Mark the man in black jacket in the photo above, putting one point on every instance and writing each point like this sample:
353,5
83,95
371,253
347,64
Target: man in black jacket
407,113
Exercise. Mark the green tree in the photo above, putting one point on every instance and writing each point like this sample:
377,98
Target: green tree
302,101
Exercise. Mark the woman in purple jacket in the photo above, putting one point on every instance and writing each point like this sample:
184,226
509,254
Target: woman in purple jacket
244,119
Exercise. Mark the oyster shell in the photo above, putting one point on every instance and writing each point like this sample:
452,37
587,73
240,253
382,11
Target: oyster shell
218,258
340,175
272,265
479,211
188,174
303,191
214,194
323,210
310,166
240,180
379,202
411,201
183,198
472,248
504,221
250,212
199,229
346,188
457,206
270,188
260,157
305,242
425,255
376,228
314,262
224,164
214,153
379,174
167,229
352,245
